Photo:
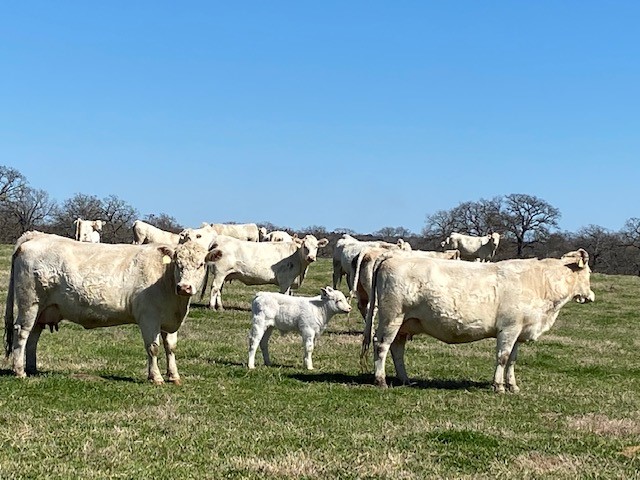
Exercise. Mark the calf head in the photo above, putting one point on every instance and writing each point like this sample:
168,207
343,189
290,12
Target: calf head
308,247
336,299
188,261
578,262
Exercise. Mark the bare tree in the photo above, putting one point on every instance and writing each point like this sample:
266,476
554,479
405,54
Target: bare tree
87,207
11,183
119,216
440,224
28,209
528,218
396,232
164,221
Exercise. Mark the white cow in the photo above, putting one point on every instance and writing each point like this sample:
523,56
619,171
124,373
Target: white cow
364,265
204,235
473,248
261,263
513,301
307,315
278,236
242,231
347,248
144,232
88,230
100,285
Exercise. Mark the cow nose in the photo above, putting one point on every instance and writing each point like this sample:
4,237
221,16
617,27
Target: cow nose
311,258
185,290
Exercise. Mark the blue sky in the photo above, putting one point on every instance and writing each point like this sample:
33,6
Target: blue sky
357,114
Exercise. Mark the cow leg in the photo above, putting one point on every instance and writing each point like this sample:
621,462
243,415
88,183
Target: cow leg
504,347
385,335
255,337
170,341
32,345
24,323
264,346
397,354
510,375
337,274
216,295
308,338
151,337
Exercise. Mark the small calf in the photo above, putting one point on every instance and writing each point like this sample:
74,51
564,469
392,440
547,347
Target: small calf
308,315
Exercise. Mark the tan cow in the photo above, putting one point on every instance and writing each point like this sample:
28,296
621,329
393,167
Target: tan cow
513,301
364,265
242,231
88,230
480,249
261,263
144,232
348,247
100,285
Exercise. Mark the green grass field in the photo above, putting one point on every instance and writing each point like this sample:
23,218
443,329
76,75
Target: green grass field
91,413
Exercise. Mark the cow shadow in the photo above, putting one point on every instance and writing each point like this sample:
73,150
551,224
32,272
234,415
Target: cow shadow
368,379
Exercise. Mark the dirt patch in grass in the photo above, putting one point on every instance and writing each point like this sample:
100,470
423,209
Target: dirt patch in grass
603,425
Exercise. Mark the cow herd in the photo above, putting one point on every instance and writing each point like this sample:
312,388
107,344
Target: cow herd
152,281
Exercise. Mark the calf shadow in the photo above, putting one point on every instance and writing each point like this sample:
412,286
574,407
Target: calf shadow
368,379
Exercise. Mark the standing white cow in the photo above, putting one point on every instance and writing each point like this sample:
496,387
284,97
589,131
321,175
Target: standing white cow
473,248
100,285
277,236
242,231
307,315
88,230
144,232
513,301
261,263
348,247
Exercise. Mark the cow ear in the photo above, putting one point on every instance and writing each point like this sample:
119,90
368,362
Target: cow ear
579,257
323,243
167,253
298,241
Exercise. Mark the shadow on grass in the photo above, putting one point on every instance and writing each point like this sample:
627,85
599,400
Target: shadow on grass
227,308
368,379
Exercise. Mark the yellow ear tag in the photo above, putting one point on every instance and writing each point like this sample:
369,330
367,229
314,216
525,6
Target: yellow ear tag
581,263
166,259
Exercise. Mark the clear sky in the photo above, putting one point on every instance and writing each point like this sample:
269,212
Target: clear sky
344,114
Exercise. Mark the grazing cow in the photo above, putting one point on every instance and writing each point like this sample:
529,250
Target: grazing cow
348,248
307,315
473,248
88,230
278,236
100,285
261,263
513,301
242,231
364,265
144,232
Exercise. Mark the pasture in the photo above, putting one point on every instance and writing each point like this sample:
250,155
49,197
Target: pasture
91,414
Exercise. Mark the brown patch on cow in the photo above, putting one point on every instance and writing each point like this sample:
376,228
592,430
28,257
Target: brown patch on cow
603,425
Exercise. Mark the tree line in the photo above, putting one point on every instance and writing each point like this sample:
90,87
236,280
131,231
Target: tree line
528,225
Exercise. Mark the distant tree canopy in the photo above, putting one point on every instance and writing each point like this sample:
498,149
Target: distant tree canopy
528,225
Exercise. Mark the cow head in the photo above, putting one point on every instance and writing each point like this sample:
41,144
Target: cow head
308,247
402,245
188,261
203,236
578,262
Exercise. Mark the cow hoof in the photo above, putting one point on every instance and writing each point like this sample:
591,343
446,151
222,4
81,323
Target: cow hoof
156,381
498,388
176,381
513,388
21,375
381,382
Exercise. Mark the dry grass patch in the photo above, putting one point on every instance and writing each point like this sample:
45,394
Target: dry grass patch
603,425
296,464
535,464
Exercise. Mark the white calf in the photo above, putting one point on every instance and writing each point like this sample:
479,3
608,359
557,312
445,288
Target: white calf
308,315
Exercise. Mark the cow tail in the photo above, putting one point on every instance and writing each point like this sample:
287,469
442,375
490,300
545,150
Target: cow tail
356,276
367,335
8,313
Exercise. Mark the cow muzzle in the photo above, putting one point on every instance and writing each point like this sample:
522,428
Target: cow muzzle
311,259
586,299
184,290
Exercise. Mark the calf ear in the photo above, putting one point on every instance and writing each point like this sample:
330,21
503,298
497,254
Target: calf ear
323,243
325,291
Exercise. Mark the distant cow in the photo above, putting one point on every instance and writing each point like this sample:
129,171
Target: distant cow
88,230
277,236
307,315
204,235
242,231
473,248
144,232
261,263
348,247
100,285
513,301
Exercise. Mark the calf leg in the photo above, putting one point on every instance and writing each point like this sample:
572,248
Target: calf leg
397,354
504,348
151,337
255,339
308,339
264,346
170,341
